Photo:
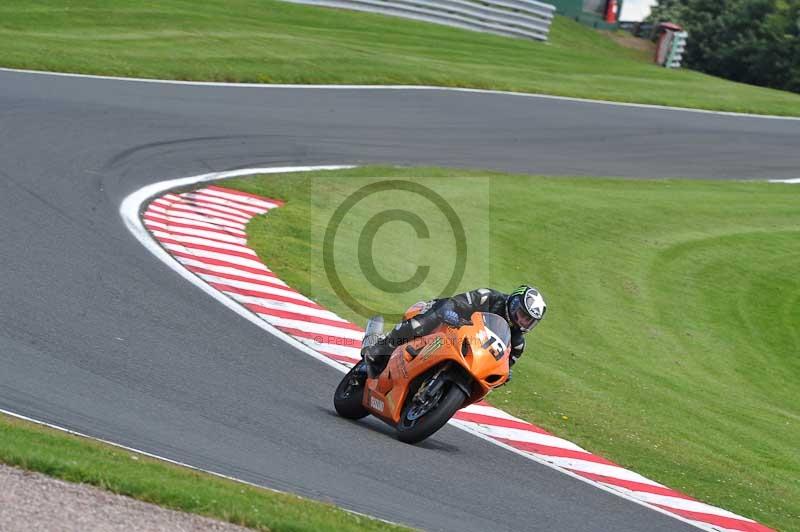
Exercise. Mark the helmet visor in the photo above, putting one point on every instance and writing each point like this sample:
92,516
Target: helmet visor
519,315
523,320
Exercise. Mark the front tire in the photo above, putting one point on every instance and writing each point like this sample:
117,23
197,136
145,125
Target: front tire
347,399
414,431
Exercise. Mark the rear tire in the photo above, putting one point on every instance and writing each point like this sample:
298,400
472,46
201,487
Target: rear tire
347,399
433,420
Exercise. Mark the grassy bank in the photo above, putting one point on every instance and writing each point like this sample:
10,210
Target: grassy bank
671,341
267,41
76,459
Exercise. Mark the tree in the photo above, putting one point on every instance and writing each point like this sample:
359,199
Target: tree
752,41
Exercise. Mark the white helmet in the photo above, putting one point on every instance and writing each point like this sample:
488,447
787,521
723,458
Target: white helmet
525,308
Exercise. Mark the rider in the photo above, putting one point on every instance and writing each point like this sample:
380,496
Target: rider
523,308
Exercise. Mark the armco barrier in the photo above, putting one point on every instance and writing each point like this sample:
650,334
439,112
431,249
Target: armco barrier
515,18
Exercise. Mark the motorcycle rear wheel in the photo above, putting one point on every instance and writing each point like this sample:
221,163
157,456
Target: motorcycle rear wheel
347,399
414,431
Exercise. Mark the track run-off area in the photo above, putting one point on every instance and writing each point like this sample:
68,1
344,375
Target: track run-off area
99,337
203,232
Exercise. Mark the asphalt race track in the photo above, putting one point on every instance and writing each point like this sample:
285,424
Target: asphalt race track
98,336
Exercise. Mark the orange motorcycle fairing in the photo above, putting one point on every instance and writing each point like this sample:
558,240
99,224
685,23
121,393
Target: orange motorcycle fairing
474,357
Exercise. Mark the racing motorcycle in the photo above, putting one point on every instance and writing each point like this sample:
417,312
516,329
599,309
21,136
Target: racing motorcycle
428,379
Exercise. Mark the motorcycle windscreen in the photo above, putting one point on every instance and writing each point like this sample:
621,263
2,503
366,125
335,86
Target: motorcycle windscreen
500,338
373,331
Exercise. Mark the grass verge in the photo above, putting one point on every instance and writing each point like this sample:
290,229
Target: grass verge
671,340
267,41
76,459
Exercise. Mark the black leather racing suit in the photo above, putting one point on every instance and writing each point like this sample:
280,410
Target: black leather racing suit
478,300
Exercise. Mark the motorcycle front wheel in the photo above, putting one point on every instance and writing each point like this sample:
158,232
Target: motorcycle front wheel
413,428
347,399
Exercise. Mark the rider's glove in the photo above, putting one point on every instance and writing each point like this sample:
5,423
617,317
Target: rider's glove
451,318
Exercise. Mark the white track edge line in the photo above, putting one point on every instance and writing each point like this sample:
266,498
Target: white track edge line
129,210
179,463
399,87
791,181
